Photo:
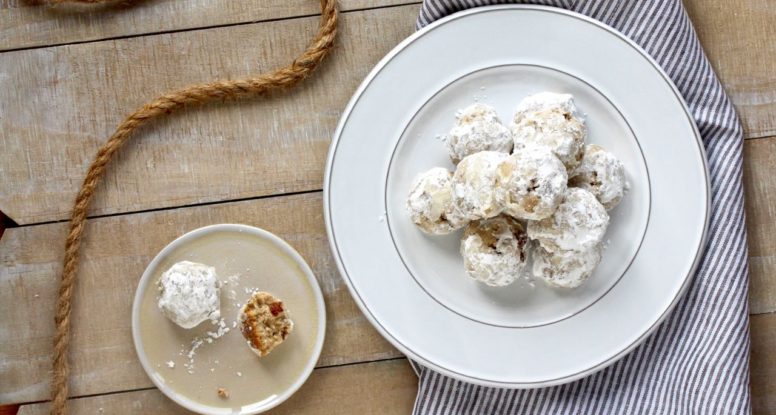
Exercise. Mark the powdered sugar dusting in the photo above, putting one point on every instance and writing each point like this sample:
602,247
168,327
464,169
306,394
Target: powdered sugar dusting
550,120
579,223
475,191
493,250
534,181
552,184
189,294
601,174
429,202
477,128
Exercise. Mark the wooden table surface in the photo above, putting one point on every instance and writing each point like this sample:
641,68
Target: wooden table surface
67,77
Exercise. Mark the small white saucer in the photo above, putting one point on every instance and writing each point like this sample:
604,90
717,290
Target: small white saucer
246,259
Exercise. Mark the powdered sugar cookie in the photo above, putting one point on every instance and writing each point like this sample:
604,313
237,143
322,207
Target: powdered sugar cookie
189,294
430,201
600,173
566,269
579,223
534,181
494,250
550,120
477,128
476,194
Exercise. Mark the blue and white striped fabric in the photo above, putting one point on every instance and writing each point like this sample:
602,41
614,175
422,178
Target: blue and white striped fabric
697,362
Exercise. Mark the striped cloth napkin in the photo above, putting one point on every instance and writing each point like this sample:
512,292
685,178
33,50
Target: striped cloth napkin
697,362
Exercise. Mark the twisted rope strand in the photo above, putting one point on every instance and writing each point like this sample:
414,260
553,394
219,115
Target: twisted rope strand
280,79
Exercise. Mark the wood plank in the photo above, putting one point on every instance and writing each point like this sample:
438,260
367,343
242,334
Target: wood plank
387,387
319,394
117,247
763,364
116,251
67,100
739,37
25,24
760,203
180,160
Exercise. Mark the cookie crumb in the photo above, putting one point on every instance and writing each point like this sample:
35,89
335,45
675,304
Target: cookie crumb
171,364
239,374
223,393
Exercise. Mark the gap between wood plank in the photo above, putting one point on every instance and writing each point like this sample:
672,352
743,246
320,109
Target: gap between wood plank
6,223
192,29
161,209
93,395
761,136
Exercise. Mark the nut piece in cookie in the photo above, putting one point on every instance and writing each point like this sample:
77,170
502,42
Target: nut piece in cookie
550,120
264,322
223,393
565,269
494,250
600,173
477,128
430,201
476,193
534,181
579,223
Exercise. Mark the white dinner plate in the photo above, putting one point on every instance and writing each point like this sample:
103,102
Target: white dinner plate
413,287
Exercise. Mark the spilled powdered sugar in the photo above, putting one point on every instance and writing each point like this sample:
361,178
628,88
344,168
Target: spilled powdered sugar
208,338
220,328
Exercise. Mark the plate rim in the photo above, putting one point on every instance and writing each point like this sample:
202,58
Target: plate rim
346,277
281,244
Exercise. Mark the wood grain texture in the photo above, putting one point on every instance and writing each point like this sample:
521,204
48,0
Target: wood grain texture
383,388
26,24
63,102
763,364
389,387
117,250
739,37
760,203
66,100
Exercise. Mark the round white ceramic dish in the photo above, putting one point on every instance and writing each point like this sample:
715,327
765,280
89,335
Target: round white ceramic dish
236,356
412,286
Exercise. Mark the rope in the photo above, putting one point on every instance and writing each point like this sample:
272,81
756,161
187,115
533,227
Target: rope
280,79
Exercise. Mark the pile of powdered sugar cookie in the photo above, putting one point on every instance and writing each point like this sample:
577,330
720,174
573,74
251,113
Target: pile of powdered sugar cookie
532,196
